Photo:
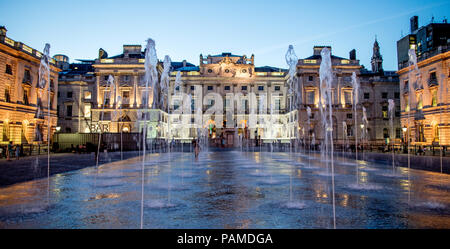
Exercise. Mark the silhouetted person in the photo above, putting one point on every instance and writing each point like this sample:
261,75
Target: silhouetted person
196,148
17,152
10,151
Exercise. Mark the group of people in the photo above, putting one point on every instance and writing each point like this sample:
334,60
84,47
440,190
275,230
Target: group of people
10,151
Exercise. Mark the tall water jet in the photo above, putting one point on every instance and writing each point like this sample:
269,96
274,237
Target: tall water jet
355,85
325,106
411,94
291,60
443,88
44,82
308,112
364,126
151,80
164,83
391,108
344,136
106,95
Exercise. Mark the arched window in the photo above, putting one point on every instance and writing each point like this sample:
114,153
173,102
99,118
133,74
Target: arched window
385,133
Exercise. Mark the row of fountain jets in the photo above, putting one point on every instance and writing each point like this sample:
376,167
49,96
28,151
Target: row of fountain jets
160,91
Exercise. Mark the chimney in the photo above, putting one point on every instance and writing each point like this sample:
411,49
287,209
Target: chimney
352,54
414,21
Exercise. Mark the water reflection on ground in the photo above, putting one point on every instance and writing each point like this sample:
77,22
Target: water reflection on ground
231,189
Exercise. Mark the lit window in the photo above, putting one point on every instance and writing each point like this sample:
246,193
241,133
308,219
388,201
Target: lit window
87,111
87,95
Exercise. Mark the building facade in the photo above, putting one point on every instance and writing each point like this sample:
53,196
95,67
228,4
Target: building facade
249,102
235,99
376,87
425,117
23,102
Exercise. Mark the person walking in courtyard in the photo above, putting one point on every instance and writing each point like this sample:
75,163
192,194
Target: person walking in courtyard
196,148
9,152
17,152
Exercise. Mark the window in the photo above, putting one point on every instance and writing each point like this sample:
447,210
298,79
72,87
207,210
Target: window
210,70
421,135
433,77
87,95
277,88
177,88
8,69
398,133
244,88
348,97
366,95
69,111
87,110
385,133
25,97
349,130
384,95
69,94
192,88
176,104
227,88
7,95
434,98
105,77
210,88
245,105
68,130
310,78
126,94
260,88
277,104
397,95
384,111
211,102
349,116
311,96
26,76
420,102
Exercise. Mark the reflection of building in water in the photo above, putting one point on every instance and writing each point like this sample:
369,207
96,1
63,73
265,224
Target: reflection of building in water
429,119
376,87
20,94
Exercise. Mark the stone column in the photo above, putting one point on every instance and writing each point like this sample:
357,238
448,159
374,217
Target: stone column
99,98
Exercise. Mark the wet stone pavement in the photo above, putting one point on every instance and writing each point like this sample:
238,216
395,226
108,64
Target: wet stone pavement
230,189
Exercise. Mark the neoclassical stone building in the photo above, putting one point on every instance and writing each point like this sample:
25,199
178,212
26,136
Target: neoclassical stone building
21,96
248,101
87,104
425,116
376,87
245,91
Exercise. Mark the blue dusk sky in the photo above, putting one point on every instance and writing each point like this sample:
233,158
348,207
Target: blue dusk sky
186,29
